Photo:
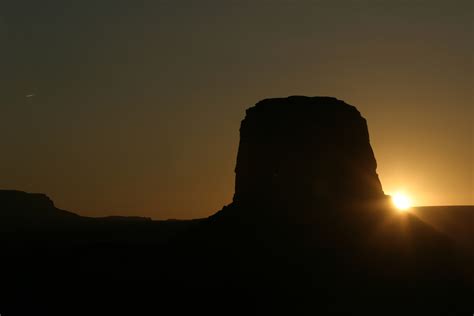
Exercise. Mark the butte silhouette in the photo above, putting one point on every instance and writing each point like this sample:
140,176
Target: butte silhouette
305,150
309,231
310,226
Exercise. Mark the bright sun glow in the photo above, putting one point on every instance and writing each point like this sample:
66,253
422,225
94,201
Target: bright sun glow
401,201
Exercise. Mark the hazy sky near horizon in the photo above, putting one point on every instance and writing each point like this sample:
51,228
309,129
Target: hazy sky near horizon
133,107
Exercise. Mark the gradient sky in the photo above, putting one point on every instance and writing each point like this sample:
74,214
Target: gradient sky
133,107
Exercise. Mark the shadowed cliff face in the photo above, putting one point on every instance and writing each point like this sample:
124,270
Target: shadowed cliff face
305,150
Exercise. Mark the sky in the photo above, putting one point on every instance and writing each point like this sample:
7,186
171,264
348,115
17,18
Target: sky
133,107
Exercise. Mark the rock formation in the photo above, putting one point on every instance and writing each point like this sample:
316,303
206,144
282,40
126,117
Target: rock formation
298,239
305,150
25,210
28,205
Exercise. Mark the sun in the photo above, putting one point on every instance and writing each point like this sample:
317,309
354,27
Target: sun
401,201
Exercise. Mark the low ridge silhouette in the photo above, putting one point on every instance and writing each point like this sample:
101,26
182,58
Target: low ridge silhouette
309,231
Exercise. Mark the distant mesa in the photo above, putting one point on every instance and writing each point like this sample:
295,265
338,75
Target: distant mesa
19,206
308,150
22,210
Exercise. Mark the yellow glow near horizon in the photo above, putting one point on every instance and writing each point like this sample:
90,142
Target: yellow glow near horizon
401,201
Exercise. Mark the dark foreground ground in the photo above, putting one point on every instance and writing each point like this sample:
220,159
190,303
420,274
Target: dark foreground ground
375,261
